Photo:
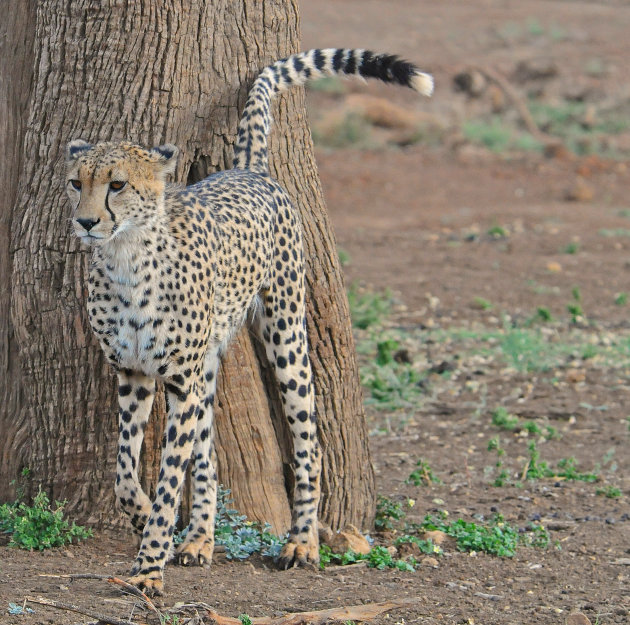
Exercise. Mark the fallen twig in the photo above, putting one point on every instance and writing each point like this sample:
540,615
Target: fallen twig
104,618
112,580
346,613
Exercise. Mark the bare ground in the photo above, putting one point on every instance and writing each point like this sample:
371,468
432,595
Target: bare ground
423,221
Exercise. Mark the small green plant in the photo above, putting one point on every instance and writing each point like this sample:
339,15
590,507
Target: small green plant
368,308
481,303
344,257
387,513
612,492
621,299
567,468
422,475
378,557
39,526
531,427
498,232
543,314
169,619
496,536
392,385
424,546
245,619
535,28
571,248
503,419
19,610
240,537
494,444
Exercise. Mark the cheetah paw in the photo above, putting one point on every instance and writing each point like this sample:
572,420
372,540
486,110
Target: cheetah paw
152,587
294,554
194,554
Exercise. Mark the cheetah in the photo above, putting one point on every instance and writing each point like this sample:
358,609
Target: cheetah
174,273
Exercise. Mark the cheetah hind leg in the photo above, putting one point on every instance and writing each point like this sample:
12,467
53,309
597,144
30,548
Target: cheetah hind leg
287,351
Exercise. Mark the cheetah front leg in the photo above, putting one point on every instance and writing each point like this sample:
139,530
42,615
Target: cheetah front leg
198,546
135,398
147,572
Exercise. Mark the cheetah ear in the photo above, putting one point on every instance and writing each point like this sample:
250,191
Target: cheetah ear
75,148
166,157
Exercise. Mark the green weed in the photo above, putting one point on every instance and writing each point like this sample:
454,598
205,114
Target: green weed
567,468
498,137
423,475
424,546
368,308
612,492
495,537
571,248
344,257
378,558
494,444
388,512
481,303
392,385
245,619
621,299
39,526
503,419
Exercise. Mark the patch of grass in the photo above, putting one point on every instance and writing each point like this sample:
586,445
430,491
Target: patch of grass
494,135
368,308
543,314
481,303
571,248
612,492
344,257
422,475
621,299
525,350
392,385
566,121
39,526
503,419
498,137
567,468
614,232
353,130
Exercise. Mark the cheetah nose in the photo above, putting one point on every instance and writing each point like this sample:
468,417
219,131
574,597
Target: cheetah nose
88,223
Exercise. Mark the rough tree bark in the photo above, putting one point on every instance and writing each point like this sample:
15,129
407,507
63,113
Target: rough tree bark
151,72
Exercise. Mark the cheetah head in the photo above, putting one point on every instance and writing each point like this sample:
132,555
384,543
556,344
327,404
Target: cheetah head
116,188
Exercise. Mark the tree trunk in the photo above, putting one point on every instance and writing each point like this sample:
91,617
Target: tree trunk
152,72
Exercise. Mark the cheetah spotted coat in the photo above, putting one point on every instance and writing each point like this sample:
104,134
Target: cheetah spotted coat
174,274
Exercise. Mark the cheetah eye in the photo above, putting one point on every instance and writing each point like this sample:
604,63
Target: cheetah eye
76,184
116,185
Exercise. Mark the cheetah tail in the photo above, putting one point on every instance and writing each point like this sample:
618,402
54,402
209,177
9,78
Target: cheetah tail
251,152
